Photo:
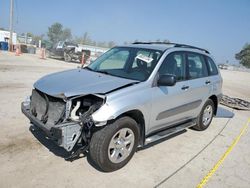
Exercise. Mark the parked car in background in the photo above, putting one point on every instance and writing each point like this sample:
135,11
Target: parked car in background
223,66
68,51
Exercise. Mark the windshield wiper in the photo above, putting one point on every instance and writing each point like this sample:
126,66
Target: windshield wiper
87,68
103,72
100,71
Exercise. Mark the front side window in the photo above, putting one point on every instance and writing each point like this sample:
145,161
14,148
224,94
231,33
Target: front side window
127,62
196,66
149,54
59,44
174,64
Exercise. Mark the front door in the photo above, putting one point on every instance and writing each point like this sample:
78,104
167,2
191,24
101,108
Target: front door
171,104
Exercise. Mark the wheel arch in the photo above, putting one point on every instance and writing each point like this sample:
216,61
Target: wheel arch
215,101
138,116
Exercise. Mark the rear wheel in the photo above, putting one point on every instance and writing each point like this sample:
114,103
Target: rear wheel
205,117
112,147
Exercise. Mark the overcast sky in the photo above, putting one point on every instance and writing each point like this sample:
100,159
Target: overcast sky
221,26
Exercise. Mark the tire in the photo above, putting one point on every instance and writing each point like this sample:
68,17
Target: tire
67,57
205,117
109,150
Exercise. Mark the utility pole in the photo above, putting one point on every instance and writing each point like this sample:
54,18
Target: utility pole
11,26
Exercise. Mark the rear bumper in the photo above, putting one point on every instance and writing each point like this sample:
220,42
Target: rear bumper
64,135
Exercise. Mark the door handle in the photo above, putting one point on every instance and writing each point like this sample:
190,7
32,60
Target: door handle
185,87
208,82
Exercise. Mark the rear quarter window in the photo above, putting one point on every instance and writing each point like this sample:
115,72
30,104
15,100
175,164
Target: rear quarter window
212,69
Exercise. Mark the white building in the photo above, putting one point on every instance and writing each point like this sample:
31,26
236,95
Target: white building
5,36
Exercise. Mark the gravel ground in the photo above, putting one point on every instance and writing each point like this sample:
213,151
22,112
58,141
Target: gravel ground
27,160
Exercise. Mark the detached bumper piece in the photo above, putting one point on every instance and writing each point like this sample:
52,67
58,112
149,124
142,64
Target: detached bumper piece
63,134
235,103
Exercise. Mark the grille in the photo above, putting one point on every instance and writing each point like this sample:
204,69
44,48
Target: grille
49,110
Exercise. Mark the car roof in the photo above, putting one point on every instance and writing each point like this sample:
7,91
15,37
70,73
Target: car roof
163,46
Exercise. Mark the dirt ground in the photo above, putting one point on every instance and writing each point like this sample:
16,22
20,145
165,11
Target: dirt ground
28,160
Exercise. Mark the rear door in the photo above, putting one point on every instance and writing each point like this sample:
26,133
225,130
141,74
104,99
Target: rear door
214,76
199,81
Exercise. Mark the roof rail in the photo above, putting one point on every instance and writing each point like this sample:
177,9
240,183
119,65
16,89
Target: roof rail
175,45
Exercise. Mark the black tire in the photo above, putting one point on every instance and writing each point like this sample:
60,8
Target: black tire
200,126
99,145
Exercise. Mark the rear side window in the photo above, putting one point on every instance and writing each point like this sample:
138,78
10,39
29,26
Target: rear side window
196,66
212,69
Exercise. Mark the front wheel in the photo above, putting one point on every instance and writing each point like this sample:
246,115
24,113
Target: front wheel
112,147
205,117
67,57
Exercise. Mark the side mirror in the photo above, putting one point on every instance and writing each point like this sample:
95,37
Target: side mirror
166,80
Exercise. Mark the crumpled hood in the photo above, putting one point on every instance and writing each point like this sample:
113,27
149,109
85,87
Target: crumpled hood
79,82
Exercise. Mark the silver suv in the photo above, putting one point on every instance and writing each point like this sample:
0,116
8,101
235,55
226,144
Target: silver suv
129,97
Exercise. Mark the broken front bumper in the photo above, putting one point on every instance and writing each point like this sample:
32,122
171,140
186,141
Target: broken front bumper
64,135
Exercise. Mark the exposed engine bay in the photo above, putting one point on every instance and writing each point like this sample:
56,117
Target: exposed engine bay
81,107
66,121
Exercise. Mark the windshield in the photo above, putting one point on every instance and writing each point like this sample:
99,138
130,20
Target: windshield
130,63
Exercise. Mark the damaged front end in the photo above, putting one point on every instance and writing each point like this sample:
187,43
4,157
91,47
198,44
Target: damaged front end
66,121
